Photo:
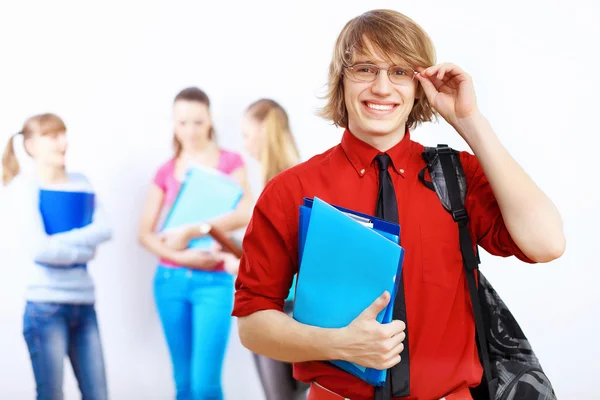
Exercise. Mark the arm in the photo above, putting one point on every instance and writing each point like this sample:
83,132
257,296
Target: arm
91,235
153,243
57,254
42,248
365,341
530,217
277,335
146,235
265,276
241,215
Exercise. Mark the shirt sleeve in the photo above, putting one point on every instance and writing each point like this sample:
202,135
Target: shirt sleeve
92,235
268,263
231,162
42,248
160,178
485,219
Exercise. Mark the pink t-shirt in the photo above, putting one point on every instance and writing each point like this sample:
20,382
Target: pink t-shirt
166,180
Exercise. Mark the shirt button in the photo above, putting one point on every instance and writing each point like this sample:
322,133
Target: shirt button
362,171
401,171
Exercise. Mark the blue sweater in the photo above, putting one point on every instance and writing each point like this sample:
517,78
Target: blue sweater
52,278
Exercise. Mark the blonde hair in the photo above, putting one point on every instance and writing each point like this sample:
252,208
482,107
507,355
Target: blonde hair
42,124
279,151
199,96
393,35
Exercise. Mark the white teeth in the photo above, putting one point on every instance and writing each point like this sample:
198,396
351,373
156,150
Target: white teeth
380,107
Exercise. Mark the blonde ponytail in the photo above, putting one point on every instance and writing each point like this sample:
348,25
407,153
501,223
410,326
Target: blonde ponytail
41,124
10,164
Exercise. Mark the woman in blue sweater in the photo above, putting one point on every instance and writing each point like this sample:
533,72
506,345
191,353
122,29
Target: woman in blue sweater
60,225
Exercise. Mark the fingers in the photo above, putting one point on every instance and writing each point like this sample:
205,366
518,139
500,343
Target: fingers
398,348
390,355
428,87
394,328
217,248
390,351
376,307
201,254
391,362
442,70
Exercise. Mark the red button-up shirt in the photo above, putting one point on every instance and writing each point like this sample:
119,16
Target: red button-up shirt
443,352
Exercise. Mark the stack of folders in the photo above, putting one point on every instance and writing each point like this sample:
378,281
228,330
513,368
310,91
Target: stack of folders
205,194
347,260
63,211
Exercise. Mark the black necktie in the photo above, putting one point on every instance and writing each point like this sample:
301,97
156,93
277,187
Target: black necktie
387,207
398,377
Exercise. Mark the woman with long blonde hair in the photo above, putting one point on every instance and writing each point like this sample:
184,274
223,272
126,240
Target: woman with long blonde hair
268,139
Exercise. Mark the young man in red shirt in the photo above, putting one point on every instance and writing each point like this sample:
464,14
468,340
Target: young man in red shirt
382,81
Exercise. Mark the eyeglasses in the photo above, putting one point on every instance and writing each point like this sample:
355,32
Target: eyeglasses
369,72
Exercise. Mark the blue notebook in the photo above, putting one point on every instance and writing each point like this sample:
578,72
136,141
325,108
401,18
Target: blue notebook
383,226
204,195
347,260
63,211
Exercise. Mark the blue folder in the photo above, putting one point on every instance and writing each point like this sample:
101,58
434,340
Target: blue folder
63,211
204,195
347,260
383,226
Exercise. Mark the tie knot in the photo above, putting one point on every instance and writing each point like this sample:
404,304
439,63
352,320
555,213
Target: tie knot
384,161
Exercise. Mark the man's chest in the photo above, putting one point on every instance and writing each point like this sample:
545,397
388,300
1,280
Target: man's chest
427,231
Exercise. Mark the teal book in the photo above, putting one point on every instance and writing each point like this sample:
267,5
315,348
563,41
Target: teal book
205,194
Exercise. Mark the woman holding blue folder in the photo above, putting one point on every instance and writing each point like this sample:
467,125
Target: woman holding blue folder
268,139
60,225
193,292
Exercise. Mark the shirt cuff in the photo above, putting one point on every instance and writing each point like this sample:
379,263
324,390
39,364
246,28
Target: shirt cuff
247,303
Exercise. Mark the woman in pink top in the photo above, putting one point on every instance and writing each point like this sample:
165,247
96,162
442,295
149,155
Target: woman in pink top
193,293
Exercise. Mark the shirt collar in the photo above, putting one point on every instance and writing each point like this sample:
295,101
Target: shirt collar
361,154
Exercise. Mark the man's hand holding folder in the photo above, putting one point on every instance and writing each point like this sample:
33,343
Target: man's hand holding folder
368,342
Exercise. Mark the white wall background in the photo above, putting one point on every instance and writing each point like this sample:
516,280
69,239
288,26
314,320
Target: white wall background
111,71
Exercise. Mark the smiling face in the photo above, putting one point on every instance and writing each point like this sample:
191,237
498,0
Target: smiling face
378,109
192,124
48,149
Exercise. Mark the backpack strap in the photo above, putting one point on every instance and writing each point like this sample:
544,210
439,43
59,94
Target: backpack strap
449,161
428,155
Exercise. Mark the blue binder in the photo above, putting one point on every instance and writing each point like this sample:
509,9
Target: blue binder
347,260
63,211
204,195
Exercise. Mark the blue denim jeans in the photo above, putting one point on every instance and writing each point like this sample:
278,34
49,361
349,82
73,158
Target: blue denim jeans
195,310
52,332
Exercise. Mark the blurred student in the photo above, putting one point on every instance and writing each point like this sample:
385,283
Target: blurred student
193,292
268,139
59,223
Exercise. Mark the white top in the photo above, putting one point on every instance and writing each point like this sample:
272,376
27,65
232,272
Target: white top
58,281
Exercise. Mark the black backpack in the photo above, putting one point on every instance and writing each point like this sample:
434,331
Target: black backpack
511,369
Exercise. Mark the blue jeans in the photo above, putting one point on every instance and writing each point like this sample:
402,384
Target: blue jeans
53,331
195,310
